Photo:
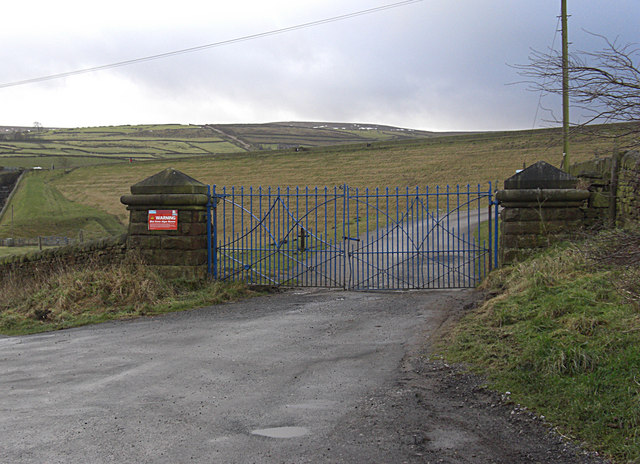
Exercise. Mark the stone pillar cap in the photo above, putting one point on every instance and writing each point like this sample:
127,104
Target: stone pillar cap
169,181
541,175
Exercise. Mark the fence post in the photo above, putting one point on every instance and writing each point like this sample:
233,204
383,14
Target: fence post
209,247
490,207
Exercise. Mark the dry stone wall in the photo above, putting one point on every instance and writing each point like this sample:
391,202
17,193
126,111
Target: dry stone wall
8,180
628,191
104,251
542,204
51,241
614,184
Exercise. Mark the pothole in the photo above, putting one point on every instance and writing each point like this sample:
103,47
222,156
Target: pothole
281,432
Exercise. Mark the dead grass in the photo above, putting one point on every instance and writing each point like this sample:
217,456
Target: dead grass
63,296
461,159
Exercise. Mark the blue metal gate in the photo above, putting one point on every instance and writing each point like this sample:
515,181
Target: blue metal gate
353,238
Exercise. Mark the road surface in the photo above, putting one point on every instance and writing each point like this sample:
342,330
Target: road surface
297,377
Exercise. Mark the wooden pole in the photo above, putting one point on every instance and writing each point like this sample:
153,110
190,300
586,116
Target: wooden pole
565,88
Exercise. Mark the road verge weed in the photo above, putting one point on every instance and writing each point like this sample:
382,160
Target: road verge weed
74,296
561,333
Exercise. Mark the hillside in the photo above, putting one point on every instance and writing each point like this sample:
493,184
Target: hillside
474,159
426,161
64,148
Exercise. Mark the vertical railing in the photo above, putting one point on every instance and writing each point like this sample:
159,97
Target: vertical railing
363,239
210,240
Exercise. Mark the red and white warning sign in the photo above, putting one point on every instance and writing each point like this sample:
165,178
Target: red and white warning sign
163,219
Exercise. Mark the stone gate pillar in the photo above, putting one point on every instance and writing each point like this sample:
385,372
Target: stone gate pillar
175,250
540,205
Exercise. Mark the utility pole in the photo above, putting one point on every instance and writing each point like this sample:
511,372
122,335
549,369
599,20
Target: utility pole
565,88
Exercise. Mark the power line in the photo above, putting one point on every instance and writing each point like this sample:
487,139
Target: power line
207,46
553,44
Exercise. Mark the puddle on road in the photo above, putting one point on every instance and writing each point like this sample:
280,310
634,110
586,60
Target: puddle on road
281,432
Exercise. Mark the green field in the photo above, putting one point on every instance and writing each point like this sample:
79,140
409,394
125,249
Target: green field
8,251
66,148
92,192
38,208
448,160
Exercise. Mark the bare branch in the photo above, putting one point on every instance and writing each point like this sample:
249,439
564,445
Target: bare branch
604,85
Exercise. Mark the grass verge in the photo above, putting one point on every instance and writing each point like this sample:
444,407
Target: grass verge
561,333
38,208
10,251
71,297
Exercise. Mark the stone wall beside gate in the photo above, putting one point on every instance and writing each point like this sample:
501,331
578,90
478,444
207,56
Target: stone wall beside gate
367,238
542,204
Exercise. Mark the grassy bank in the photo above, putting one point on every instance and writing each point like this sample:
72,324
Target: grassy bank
71,297
9,251
461,159
428,161
38,208
561,333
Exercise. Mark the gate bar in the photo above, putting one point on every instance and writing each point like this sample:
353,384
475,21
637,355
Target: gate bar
209,248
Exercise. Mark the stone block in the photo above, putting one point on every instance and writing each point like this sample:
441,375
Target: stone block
174,257
164,201
145,241
197,242
193,228
593,169
169,181
537,214
522,228
515,255
599,200
542,197
139,216
540,227
631,160
143,229
523,241
541,175
192,216
531,240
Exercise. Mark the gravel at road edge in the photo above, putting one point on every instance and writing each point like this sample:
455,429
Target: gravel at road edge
441,413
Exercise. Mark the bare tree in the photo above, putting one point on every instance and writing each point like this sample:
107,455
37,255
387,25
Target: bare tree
603,85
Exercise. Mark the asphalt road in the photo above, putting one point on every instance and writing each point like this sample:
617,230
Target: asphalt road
273,379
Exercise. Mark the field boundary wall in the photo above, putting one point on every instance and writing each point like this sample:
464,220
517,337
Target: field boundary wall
48,241
14,183
542,204
614,186
109,250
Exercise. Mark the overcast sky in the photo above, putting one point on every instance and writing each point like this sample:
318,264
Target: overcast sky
431,65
